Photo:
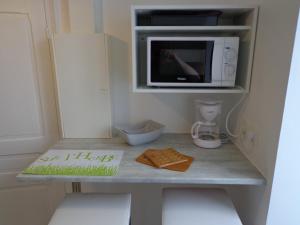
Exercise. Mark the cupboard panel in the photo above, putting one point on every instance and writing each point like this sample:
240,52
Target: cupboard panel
83,85
19,94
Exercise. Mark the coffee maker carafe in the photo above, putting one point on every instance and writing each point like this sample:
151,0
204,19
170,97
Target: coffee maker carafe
206,132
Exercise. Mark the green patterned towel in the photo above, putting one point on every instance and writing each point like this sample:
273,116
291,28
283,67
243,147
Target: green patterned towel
77,163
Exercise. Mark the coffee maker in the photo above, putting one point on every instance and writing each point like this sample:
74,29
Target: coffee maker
206,131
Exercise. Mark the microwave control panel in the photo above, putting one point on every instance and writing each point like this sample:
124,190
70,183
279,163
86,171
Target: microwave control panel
231,48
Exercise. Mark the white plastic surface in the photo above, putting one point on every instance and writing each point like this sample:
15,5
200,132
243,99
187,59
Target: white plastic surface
93,209
198,207
141,133
207,143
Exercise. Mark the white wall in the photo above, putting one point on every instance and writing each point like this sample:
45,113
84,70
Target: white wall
284,204
264,108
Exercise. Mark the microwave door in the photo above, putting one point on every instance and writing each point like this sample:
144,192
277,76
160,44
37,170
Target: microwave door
181,62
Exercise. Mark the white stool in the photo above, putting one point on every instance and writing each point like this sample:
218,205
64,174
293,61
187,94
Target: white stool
198,207
93,209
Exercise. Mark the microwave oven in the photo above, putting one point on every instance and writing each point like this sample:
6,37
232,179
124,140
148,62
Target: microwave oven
192,61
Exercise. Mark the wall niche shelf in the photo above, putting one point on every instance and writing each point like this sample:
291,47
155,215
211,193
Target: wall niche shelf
192,28
235,20
235,90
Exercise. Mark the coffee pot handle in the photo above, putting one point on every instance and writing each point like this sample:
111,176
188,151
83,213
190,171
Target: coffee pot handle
195,129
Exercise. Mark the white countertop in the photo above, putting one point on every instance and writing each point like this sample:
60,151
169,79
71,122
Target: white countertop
225,165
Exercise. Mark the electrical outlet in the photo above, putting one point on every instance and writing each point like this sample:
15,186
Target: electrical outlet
248,137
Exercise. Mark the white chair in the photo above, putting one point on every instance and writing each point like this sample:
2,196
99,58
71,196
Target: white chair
93,209
198,207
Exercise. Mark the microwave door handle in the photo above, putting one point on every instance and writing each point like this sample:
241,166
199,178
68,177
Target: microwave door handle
209,63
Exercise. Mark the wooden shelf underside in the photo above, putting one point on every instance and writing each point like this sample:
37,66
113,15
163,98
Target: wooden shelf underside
193,28
146,89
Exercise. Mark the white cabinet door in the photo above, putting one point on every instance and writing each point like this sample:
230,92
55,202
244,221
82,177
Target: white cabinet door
28,121
83,85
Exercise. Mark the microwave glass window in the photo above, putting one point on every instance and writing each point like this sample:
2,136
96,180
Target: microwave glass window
181,61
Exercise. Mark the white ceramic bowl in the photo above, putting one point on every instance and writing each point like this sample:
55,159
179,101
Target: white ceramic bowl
141,133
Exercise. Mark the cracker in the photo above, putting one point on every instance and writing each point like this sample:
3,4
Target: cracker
181,167
144,160
166,157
